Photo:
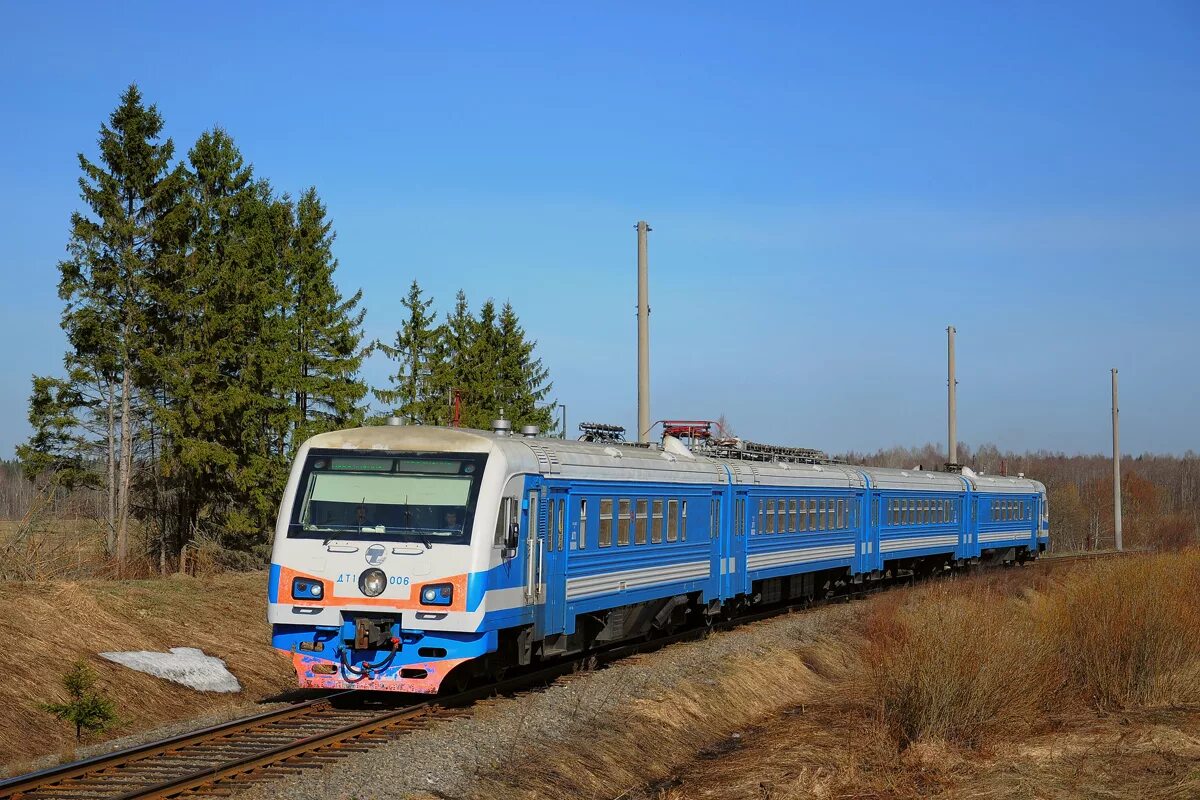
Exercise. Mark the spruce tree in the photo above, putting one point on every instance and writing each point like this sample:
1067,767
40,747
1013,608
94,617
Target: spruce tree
482,396
522,380
86,708
451,372
104,285
227,376
414,348
57,450
327,329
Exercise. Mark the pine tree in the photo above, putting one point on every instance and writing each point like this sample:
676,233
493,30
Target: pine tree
104,284
327,329
410,396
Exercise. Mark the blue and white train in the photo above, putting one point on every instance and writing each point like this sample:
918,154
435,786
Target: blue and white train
412,558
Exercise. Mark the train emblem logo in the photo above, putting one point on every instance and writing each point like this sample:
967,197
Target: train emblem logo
376,554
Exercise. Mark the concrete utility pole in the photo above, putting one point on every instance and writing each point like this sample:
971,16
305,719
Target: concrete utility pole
1116,463
643,335
951,398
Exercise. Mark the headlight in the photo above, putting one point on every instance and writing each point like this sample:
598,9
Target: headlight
307,589
437,594
372,582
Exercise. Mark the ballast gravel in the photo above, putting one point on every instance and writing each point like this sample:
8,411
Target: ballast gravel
443,760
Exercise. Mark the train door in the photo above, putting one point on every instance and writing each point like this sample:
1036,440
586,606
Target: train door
873,521
535,539
865,520
554,562
744,520
716,524
972,523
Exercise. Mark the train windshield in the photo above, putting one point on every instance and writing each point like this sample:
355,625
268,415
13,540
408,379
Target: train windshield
411,497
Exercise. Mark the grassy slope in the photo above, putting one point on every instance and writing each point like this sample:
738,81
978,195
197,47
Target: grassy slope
47,625
1075,684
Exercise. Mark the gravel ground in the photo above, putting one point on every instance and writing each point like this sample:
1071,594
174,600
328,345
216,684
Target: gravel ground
443,760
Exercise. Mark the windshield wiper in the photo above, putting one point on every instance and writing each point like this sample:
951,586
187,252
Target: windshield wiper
418,531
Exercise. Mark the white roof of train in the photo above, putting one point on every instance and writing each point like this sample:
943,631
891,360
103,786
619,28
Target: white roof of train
622,461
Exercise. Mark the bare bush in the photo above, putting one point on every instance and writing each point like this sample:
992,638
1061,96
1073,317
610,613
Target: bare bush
957,663
1128,632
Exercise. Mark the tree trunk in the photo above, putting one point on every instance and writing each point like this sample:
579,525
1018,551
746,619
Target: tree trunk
124,480
110,531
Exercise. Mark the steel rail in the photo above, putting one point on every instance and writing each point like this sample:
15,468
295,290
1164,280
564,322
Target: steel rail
11,787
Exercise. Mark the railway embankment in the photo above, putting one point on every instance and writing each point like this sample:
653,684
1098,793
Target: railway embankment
1079,681
48,625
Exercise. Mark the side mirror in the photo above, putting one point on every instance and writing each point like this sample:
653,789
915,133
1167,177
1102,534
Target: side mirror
514,532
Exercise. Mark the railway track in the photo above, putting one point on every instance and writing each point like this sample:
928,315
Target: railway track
225,758
1092,555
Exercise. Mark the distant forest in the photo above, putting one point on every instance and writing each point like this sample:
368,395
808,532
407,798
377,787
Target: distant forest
207,339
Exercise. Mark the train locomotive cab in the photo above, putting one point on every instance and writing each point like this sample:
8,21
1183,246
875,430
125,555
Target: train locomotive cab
381,552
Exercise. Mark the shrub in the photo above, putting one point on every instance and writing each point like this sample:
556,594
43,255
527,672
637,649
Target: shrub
958,663
1128,631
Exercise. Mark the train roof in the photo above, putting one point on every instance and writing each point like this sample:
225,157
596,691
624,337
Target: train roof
626,461
1003,484
915,479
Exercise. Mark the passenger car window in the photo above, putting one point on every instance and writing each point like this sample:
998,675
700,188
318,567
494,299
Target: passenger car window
582,524
623,514
562,512
640,522
606,520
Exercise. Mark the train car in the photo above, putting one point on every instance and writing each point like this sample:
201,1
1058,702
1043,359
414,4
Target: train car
412,558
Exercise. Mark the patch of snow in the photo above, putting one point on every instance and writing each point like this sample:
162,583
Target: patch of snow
184,665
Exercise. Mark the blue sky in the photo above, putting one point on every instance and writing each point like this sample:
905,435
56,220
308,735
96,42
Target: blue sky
830,185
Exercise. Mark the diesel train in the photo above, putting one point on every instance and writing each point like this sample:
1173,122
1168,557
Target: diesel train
415,558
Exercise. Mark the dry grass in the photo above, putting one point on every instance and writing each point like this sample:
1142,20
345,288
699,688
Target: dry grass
67,549
645,741
957,662
1128,632
48,625
995,687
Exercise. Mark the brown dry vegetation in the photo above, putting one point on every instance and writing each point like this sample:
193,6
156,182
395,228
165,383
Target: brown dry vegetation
1079,683
656,734
48,625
